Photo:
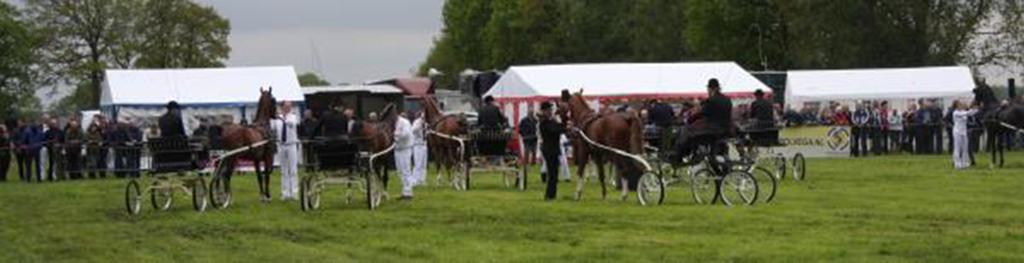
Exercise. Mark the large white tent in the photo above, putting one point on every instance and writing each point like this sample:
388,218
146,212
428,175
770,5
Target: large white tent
218,94
897,84
524,87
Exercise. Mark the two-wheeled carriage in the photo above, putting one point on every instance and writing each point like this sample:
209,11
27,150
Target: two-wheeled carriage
489,151
709,173
175,166
342,161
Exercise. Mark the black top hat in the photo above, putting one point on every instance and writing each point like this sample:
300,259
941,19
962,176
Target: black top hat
173,105
758,93
489,99
713,83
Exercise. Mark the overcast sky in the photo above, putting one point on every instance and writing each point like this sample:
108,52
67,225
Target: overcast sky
356,40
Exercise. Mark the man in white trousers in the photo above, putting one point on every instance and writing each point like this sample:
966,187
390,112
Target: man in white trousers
285,127
403,155
419,149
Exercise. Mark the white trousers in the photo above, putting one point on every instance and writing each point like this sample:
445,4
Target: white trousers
419,159
288,159
403,163
961,154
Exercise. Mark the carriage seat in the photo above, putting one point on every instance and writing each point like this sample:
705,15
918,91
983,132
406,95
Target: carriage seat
172,154
490,141
336,153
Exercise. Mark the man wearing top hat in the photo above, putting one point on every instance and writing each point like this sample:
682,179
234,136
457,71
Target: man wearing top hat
170,123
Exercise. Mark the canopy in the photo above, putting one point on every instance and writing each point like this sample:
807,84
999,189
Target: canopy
870,84
374,89
625,80
198,87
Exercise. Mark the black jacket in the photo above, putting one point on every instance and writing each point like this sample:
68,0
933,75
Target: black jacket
332,124
551,132
171,126
490,116
528,129
716,116
661,114
762,111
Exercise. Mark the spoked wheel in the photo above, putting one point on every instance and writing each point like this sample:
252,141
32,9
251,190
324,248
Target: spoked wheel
799,167
651,189
199,194
766,184
779,162
738,187
374,191
133,197
220,192
704,186
161,195
313,190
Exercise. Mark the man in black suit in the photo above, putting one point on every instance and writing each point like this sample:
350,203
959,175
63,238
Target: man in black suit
551,131
490,116
332,124
711,123
171,124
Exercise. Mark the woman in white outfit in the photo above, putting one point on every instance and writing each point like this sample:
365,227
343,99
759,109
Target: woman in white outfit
419,149
403,155
961,154
285,127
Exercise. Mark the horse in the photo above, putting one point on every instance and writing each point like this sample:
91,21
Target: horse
377,136
997,135
446,152
622,131
236,136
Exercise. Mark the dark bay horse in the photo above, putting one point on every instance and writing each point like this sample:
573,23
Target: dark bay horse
995,117
377,136
622,131
445,152
236,136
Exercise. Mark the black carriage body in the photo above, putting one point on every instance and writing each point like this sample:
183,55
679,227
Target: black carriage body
174,155
335,154
490,142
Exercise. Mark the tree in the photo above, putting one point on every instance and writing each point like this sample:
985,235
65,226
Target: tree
310,79
85,37
17,46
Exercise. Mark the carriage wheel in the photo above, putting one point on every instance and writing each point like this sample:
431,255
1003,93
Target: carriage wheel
313,190
738,187
799,166
199,195
220,192
133,197
161,195
703,184
766,184
374,191
780,166
651,189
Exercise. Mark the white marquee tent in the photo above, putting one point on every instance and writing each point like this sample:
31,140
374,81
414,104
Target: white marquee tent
220,94
523,87
897,85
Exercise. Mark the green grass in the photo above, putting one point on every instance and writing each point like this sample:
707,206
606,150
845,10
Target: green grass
900,208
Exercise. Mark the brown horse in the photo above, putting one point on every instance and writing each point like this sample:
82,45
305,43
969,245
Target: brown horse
446,152
238,136
622,131
377,136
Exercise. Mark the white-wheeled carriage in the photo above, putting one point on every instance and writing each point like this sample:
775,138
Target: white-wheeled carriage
342,161
175,166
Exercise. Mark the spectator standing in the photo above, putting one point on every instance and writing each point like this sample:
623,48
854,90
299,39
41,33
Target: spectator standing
73,149
895,131
5,152
32,140
923,118
54,137
528,134
858,146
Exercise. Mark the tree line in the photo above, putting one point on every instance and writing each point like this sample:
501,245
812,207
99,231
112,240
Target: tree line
757,34
50,43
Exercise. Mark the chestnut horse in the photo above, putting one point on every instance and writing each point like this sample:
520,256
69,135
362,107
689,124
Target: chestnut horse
447,153
378,136
236,136
622,131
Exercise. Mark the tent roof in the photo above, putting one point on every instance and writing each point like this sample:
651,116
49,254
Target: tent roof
207,86
896,83
625,79
376,89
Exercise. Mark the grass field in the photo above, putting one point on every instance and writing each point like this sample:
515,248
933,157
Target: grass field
902,208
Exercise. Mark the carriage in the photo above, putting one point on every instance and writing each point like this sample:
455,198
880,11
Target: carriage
175,166
342,161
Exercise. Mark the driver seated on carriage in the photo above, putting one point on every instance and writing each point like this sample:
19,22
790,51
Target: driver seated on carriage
492,132
711,123
760,125
172,151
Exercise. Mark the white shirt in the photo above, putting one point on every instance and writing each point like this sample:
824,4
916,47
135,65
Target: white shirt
419,132
292,122
403,133
960,118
